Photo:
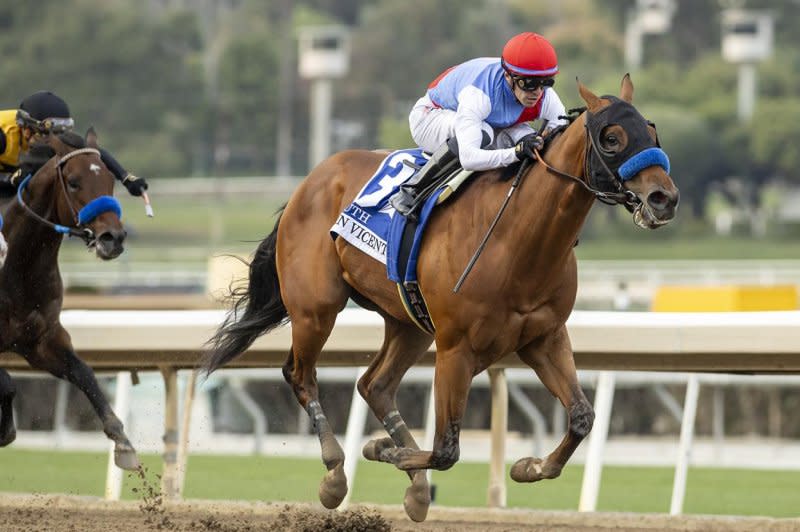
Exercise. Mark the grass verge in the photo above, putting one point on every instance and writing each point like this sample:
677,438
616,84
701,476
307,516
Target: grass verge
623,489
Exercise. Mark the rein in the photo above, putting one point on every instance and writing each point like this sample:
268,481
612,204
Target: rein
624,197
88,213
523,167
620,197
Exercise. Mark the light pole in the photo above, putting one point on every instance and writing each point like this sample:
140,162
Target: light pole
324,56
746,40
647,17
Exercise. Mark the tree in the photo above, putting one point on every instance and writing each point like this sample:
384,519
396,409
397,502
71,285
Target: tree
129,75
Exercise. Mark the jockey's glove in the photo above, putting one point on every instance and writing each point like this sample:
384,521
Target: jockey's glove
527,144
135,185
16,178
11,181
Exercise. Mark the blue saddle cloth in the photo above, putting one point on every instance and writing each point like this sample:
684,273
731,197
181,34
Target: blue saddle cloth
372,225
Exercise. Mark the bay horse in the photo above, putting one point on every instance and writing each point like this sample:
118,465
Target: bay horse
71,194
516,299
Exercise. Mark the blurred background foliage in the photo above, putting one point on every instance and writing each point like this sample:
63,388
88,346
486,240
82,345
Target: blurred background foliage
208,88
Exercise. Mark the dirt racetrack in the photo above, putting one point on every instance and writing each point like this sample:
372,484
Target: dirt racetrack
61,513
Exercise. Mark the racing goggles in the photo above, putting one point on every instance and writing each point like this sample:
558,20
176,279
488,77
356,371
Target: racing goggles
532,84
54,125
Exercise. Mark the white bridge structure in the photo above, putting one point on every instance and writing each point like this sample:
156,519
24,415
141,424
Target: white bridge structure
709,347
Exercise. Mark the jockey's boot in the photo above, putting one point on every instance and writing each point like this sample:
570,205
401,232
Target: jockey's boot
416,190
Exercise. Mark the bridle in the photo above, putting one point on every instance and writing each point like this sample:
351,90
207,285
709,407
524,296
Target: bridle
621,197
619,167
80,218
616,168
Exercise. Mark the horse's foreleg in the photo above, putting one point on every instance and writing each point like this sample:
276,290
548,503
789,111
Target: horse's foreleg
58,357
454,371
308,337
552,359
402,347
8,432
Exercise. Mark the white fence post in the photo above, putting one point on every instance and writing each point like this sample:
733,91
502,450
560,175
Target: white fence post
169,475
592,470
496,496
356,422
122,401
183,442
685,445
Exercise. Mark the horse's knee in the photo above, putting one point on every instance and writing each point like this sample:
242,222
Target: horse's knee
581,419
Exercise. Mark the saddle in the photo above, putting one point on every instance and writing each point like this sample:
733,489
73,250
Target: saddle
406,236
373,226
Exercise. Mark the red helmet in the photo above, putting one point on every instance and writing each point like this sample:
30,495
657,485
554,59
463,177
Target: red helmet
529,54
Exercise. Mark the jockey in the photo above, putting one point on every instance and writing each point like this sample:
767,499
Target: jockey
484,105
39,114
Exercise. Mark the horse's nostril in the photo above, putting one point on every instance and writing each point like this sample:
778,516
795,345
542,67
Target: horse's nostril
111,237
657,200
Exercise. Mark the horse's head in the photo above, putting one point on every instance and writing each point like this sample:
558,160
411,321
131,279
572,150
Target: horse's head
81,188
624,155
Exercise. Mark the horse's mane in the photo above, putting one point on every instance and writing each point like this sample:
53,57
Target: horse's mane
40,152
72,139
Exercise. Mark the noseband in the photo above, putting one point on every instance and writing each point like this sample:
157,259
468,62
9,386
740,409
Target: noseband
614,169
89,212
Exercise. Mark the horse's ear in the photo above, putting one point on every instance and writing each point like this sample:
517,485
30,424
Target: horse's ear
626,91
56,143
91,137
592,101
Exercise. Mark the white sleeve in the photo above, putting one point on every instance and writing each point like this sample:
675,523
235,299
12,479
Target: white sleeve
473,108
516,132
552,108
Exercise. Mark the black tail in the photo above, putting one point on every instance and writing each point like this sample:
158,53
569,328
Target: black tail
258,309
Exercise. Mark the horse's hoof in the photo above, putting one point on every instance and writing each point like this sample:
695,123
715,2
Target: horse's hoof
527,470
372,449
417,501
126,459
333,488
8,437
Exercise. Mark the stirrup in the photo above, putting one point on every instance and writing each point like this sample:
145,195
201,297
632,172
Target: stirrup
404,202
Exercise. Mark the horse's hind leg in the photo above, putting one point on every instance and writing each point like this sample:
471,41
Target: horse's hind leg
553,362
402,347
58,357
7,391
309,333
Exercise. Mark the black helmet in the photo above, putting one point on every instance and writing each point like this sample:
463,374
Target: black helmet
44,111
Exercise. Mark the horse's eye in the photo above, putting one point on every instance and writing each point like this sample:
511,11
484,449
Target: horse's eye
74,184
612,140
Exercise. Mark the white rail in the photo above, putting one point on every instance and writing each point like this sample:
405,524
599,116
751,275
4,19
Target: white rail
753,342
598,280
